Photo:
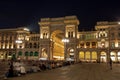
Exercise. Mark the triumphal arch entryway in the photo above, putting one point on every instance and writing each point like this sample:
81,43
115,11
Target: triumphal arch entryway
58,38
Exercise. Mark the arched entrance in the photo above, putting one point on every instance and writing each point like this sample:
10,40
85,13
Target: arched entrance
103,57
57,44
70,55
81,56
87,56
94,56
113,56
53,30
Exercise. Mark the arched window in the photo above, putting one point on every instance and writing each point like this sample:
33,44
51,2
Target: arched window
113,56
87,55
81,55
31,53
30,45
45,35
35,53
94,55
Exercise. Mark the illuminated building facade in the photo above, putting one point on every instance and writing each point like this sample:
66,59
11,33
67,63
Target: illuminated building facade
53,31
31,50
101,44
12,42
59,39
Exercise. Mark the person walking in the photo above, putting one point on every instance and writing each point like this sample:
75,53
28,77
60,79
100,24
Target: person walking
110,63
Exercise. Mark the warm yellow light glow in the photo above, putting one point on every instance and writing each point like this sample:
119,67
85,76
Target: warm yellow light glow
65,40
3,47
112,54
27,39
71,50
116,44
59,57
94,55
1,57
81,55
87,55
7,47
103,58
18,41
118,22
26,29
118,53
103,44
113,58
59,45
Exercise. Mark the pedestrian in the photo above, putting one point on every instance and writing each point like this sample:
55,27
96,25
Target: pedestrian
110,64
22,70
10,72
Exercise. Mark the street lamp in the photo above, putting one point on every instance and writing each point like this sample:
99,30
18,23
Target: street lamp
65,41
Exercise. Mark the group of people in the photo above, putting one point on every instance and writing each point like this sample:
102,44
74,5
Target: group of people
15,69
18,68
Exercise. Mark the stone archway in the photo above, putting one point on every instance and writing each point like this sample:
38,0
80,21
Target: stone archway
53,30
81,56
57,44
103,56
87,56
94,56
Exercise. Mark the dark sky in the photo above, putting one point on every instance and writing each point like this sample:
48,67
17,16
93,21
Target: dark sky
15,13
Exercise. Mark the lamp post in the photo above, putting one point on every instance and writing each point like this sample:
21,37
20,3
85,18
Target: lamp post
65,41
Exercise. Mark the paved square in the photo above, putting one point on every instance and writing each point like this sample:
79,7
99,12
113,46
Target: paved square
84,71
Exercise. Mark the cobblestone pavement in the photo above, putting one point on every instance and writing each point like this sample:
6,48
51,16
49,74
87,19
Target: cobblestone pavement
82,71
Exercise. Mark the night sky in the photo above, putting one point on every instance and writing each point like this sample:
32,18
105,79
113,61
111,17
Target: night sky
17,13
